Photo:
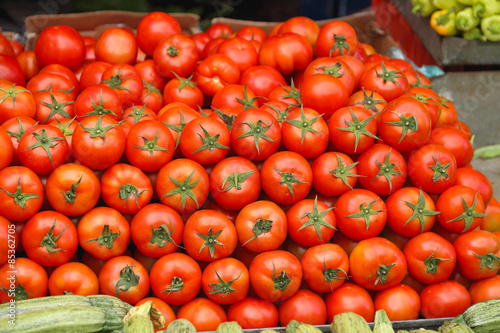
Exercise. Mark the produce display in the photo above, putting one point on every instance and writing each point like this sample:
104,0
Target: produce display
471,19
228,180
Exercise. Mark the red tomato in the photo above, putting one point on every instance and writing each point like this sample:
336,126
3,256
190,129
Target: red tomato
448,115
53,105
6,47
219,29
430,100
126,81
183,90
478,254
253,313
201,40
7,153
29,64
262,80
98,100
336,38
225,281
386,79
235,96
303,26
29,280
286,52
333,67
241,51
176,54
60,44
445,299
216,72
491,222
204,314
154,27
485,289
334,174
73,277
476,180
350,297
456,141
400,302
92,74
16,101
304,306
116,46
323,93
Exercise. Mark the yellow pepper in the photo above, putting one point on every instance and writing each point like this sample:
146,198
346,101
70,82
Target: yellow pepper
443,21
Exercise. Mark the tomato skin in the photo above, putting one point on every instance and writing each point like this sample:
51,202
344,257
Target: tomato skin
7,153
400,302
368,258
11,71
333,67
320,262
28,63
98,100
9,240
176,54
492,221
73,277
304,306
154,27
275,268
324,93
253,313
215,72
390,89
112,283
60,44
327,46
38,230
204,314
451,205
430,100
126,80
116,46
92,74
262,80
28,274
241,51
328,177
445,299
350,297
476,180
24,105
485,289
477,254
455,141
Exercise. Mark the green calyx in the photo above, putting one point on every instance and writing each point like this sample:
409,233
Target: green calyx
19,133
333,70
150,145
151,89
20,292
247,102
172,51
210,241
387,170
184,189
98,131
11,93
340,44
56,108
260,227
106,238
65,128
161,236
234,180
227,119
177,128
257,131
358,128
128,279
316,219
406,123
185,82
176,285
365,212
469,213
281,281
419,211
45,142
342,171
281,114
115,81
331,274
137,114
431,262
369,102
49,240
222,287
70,195
209,142
489,260
382,273
293,93
20,198
304,124
127,190
389,76
440,170
288,179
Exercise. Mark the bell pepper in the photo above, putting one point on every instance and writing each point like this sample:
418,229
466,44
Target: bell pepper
443,21
466,20
466,2
485,8
475,33
447,4
490,26
423,7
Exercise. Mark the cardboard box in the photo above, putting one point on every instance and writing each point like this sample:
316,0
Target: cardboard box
363,23
94,23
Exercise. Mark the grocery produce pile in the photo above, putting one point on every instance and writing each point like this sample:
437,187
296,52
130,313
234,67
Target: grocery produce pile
236,176
471,19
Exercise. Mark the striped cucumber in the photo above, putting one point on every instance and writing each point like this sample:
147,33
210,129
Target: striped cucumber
482,317
40,303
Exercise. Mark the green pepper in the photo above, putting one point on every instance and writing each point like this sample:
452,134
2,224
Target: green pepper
485,8
447,4
423,7
466,20
475,33
443,21
490,27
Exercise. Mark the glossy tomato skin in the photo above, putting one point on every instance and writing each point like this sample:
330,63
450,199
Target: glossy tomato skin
30,281
430,100
476,180
176,54
477,254
204,314
286,52
52,105
304,306
275,275
334,173
324,93
492,221
386,79
368,99
7,153
430,257
350,297
9,240
253,313
216,72
91,75
336,38
455,141
116,46
241,51
262,80
97,100
73,277
154,27
400,302
126,80
485,289
445,299
24,106
60,44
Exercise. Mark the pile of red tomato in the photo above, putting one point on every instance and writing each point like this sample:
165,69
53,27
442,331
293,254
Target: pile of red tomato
238,176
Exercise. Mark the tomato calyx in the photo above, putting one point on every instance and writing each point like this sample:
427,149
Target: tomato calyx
21,131
431,263
222,287
176,285
382,273
440,170
177,128
282,281
49,88
172,51
127,190
19,196
20,292
11,93
56,108
304,124
358,128
369,102
444,101
184,189
418,84
333,274
316,219
227,119
387,170
162,236
235,180
260,227
128,279
469,213
209,142
489,260
407,124
342,171
257,131
424,99
366,212
281,114
288,179
106,238
137,114
340,43
115,81
419,211
248,102
70,195
292,93
45,142
185,82
333,70
150,145
98,131
49,240
389,76
151,88
210,241
65,128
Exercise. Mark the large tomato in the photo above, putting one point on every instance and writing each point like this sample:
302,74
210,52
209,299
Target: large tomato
368,99
126,81
323,93
400,302
241,51
73,277
478,254
52,105
334,173
334,67
204,314
11,71
386,79
98,100
476,180
154,27
116,46
15,101
253,313
485,289
28,281
336,38
262,80
304,306
216,72
445,299
91,75
456,141
350,298
60,44
176,54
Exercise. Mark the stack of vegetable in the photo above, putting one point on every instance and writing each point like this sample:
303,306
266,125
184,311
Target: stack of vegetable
238,176
472,19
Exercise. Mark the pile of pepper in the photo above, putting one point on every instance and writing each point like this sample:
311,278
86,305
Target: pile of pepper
472,19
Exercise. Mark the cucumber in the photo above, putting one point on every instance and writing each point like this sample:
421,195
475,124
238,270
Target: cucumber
180,326
382,324
482,317
452,327
229,327
349,322
40,303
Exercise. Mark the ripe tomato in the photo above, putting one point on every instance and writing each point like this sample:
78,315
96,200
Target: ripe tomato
287,94
360,214
15,101
149,74
377,264
125,278
430,257
50,238
152,234
52,81
275,275
253,313
204,314
323,93
476,180
92,74
478,254
175,118
262,80
286,177
491,222
241,51
386,79
53,105
60,44
333,67
176,54
135,114
9,241
116,46
368,99
11,71
445,299
180,89
126,81
30,280
430,100
410,211
154,27
325,267
29,65
303,26
97,101
209,235
400,302
304,306
73,277
334,173
21,194
7,153
235,182
216,72
15,128
286,52
485,289
350,297
448,115
455,141
163,308
336,38
462,209
201,40
104,233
